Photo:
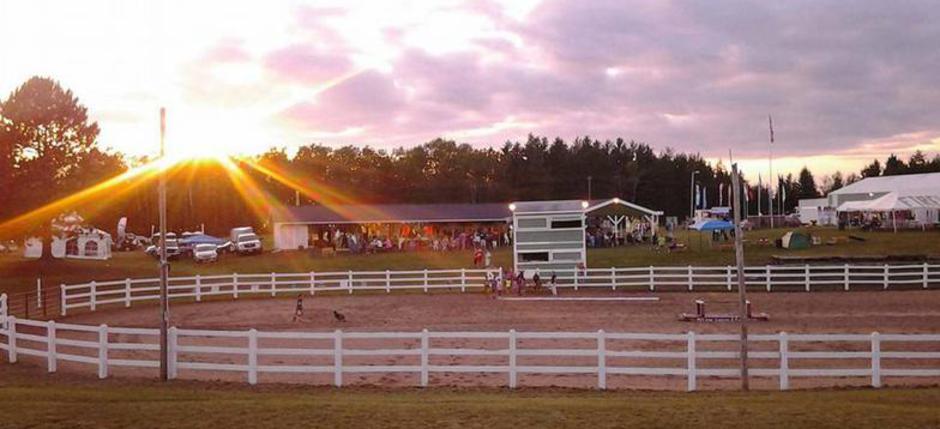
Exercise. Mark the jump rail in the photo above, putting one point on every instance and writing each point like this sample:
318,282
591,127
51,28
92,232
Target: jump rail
715,278
596,357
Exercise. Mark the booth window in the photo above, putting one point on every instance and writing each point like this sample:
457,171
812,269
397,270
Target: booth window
558,224
534,257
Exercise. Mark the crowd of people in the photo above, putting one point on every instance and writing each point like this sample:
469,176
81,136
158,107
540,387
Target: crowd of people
603,233
508,282
405,238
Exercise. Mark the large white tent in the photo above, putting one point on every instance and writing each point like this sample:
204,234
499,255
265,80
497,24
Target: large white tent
924,208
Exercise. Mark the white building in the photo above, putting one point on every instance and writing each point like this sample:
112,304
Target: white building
916,197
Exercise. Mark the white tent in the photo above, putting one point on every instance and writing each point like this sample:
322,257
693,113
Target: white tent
925,208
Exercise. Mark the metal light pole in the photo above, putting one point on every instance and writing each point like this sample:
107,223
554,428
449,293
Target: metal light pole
739,259
164,267
589,178
692,196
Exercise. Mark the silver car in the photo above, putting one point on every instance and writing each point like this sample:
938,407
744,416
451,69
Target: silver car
205,252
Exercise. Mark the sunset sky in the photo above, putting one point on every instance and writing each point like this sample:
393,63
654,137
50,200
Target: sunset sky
845,81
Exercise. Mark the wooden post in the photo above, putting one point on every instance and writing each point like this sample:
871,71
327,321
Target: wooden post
689,280
11,339
424,357
198,288
652,279
691,367
51,360
273,284
845,275
886,277
92,296
313,282
103,351
926,275
235,285
613,278
463,279
338,358
767,277
388,281
784,362
512,358
728,276
172,356
425,280
806,276
127,293
252,356
742,289
601,360
875,360
38,293
62,307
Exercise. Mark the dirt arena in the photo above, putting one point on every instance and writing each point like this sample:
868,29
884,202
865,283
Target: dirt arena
817,312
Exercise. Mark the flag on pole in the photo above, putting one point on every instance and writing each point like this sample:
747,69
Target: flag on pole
770,120
721,193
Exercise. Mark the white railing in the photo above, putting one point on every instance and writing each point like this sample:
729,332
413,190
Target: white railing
596,358
714,278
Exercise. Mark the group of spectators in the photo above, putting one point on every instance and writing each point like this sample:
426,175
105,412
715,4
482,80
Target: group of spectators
365,241
604,234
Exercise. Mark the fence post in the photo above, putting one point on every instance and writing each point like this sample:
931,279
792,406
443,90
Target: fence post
613,278
172,342
767,276
886,276
93,295
652,279
62,307
337,358
689,279
425,280
313,281
576,279
235,285
728,277
784,361
103,351
845,271
463,279
601,360
273,284
512,358
875,360
388,281
252,356
127,293
51,360
349,281
424,357
806,277
11,339
38,293
690,367
198,288
926,275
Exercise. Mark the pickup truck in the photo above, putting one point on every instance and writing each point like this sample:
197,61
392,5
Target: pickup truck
247,244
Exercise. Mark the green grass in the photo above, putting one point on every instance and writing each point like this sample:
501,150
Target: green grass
17,273
57,402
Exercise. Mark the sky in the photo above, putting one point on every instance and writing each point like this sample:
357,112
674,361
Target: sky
845,81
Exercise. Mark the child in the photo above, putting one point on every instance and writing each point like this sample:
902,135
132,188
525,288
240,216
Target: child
299,310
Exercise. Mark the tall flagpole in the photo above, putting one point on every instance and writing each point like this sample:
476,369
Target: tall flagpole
739,260
770,191
164,271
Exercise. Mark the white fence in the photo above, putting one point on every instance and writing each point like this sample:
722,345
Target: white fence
597,357
769,278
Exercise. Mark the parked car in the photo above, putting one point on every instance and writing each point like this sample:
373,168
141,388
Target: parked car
173,250
205,252
247,244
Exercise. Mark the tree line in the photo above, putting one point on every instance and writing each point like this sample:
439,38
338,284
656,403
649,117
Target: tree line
49,150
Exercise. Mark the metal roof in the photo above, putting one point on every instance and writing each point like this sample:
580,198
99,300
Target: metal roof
394,213
904,185
551,206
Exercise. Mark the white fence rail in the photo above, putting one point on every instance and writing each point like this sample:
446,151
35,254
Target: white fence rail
771,277
597,357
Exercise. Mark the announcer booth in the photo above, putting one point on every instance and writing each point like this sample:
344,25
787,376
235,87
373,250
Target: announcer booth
548,235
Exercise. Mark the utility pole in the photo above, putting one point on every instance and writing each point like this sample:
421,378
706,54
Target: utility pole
164,267
770,191
739,259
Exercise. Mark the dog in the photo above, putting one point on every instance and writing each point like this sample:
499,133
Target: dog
339,316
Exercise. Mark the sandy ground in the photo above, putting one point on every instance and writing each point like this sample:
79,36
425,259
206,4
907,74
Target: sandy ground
816,312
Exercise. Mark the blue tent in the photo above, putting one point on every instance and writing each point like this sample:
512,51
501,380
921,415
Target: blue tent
712,225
